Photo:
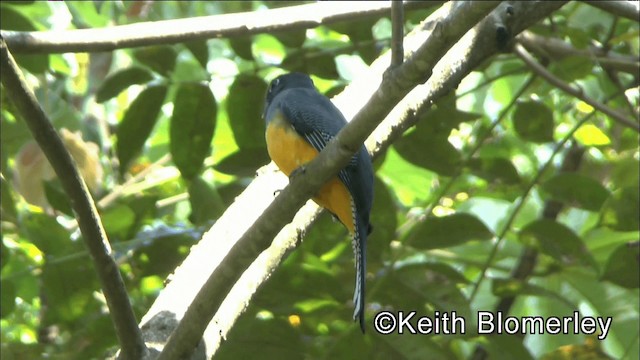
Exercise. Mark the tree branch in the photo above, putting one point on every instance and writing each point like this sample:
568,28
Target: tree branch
451,22
557,49
129,335
203,27
626,9
528,59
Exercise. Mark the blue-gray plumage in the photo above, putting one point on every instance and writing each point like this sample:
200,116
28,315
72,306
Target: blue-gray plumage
300,123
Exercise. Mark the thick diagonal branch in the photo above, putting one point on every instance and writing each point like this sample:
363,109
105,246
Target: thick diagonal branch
449,24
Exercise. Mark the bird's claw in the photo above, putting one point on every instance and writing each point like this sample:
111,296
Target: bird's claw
298,171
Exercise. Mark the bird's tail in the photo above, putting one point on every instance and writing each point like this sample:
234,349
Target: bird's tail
360,251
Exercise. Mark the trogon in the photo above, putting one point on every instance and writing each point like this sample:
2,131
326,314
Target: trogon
300,122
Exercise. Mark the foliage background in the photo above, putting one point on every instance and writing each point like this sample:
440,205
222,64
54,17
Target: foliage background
444,193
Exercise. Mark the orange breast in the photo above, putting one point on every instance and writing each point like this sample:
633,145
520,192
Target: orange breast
290,151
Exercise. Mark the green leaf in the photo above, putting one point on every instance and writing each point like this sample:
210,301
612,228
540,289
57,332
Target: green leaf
165,247
14,132
591,135
161,59
120,80
244,106
426,286
14,20
557,241
117,221
7,200
626,171
576,190
400,346
206,204
368,51
253,338
383,219
57,197
495,169
7,298
444,117
5,253
311,305
605,299
293,38
241,45
447,271
447,231
87,13
243,162
620,211
602,241
144,206
267,49
533,121
506,348
578,37
429,151
513,288
199,50
572,68
137,124
192,126
47,234
357,30
623,266
228,192
68,288
312,60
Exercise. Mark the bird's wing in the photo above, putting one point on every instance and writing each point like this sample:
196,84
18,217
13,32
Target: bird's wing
317,120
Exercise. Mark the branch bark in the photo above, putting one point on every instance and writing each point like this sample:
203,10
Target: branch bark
204,27
93,234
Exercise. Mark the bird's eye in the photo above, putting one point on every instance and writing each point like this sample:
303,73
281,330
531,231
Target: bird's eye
273,85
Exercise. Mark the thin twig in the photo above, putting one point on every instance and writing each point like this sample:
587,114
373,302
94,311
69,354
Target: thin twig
93,234
491,79
196,28
528,59
397,33
122,189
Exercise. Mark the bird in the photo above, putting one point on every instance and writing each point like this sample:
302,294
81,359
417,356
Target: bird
300,122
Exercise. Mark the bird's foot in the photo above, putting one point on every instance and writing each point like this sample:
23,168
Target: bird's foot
298,171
